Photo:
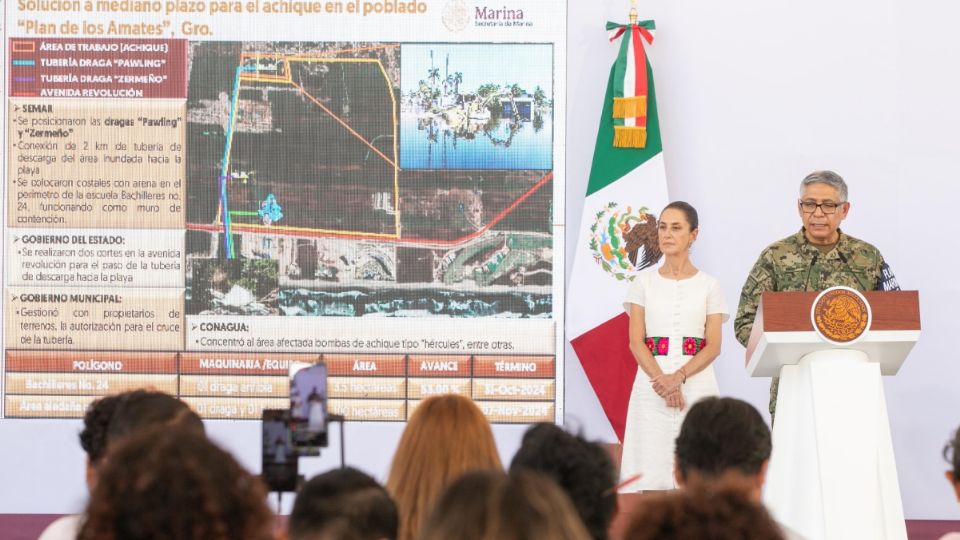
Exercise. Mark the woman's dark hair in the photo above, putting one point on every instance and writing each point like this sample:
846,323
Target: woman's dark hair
343,504
583,469
96,421
688,211
142,408
720,513
112,417
720,434
951,452
166,482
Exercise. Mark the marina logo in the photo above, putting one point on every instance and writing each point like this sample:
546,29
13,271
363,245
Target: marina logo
485,13
499,16
455,15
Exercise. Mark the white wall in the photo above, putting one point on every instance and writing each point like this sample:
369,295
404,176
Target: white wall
755,94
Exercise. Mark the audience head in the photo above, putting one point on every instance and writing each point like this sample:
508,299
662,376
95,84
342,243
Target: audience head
343,504
445,437
140,409
93,437
951,452
723,438
111,417
488,505
718,512
166,482
581,468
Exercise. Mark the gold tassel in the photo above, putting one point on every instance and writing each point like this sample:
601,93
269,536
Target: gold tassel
630,107
629,137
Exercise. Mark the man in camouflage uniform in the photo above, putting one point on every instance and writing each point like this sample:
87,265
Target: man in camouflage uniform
818,257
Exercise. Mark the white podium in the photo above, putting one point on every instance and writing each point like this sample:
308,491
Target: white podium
832,474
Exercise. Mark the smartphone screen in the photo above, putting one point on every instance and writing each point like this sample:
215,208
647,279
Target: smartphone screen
308,406
279,457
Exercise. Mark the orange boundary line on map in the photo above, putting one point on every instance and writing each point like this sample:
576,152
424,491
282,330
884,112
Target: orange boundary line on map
396,170
322,55
344,124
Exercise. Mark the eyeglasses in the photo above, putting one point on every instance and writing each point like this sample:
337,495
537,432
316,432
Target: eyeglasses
828,207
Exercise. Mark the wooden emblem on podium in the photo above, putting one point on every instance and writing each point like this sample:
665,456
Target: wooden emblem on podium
841,315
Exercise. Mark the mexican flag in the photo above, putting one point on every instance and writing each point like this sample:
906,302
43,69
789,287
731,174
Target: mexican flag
618,231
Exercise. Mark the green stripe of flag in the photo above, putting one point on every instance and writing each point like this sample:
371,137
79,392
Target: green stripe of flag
609,163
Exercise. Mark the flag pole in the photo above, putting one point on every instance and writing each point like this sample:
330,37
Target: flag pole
633,11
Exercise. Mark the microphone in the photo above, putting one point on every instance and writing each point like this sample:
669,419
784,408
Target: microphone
854,274
813,261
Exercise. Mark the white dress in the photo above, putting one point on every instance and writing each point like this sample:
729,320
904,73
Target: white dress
675,309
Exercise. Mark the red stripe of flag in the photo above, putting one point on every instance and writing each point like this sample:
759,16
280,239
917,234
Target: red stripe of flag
604,353
640,61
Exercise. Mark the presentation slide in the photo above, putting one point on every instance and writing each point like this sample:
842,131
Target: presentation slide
199,194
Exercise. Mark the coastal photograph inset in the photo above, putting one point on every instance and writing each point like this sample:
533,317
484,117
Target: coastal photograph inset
463,106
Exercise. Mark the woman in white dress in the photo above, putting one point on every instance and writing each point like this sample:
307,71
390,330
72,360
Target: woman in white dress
676,313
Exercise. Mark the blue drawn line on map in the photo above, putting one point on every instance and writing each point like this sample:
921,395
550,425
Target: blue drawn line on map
227,242
224,208
24,62
224,177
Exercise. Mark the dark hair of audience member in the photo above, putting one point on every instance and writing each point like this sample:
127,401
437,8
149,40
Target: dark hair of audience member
445,437
96,421
488,505
343,504
166,482
583,469
142,408
721,434
718,512
951,452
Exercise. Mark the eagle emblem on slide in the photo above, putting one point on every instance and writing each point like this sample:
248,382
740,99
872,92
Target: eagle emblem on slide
624,242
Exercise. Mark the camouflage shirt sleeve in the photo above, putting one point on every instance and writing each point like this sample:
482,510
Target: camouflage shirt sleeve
866,264
761,279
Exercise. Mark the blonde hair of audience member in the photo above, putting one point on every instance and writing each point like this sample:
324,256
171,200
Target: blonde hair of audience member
445,437
719,511
486,505
169,483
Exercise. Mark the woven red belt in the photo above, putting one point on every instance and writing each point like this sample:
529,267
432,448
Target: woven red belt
660,346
